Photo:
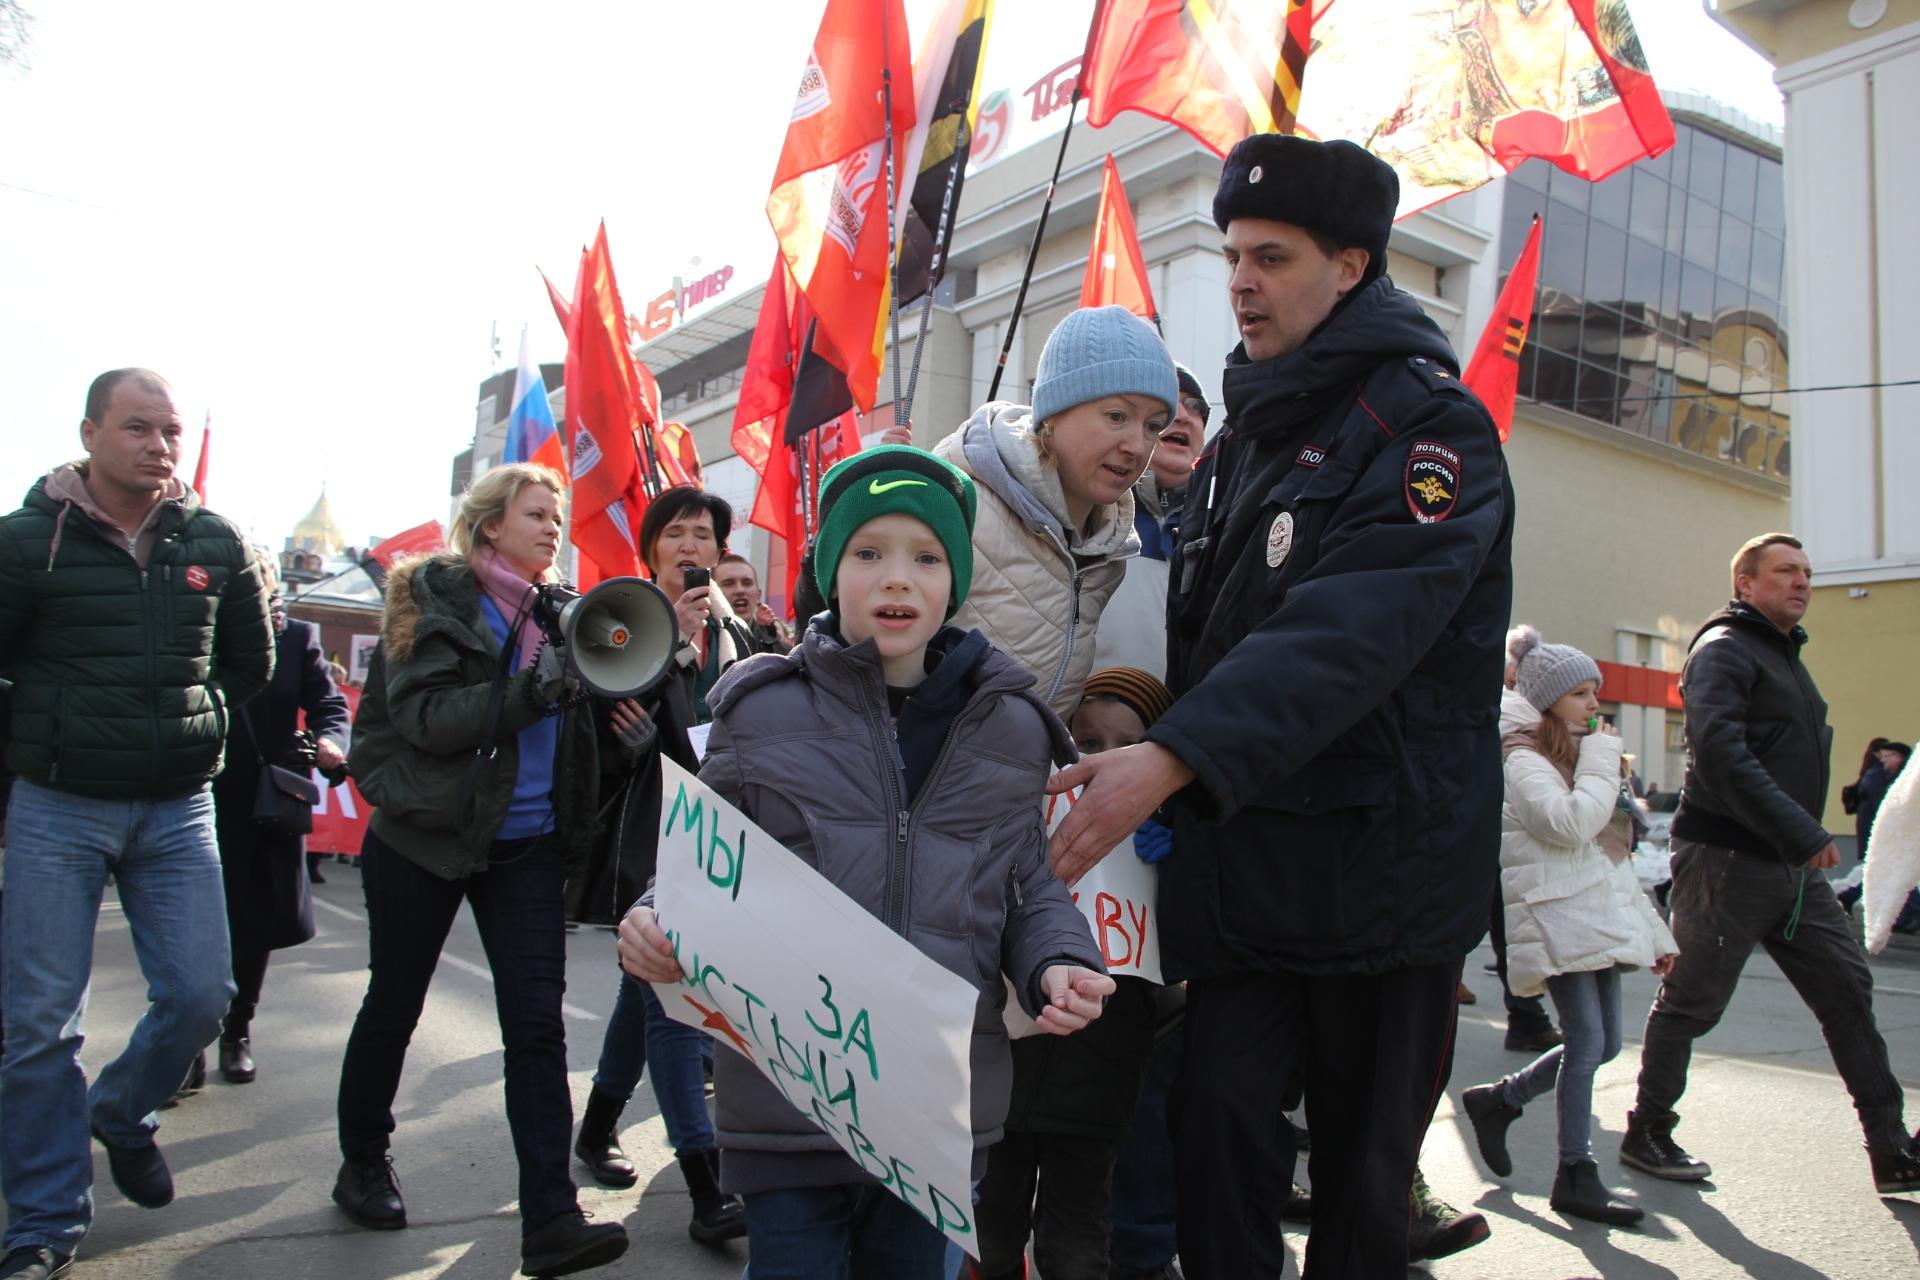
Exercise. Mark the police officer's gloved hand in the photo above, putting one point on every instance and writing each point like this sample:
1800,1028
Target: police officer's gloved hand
1152,842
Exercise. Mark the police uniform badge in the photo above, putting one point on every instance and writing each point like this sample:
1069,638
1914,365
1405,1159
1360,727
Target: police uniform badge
1433,481
1279,539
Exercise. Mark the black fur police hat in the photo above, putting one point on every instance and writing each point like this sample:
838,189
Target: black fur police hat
1335,188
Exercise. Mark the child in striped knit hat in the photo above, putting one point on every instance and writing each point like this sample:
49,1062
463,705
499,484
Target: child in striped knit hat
1074,1098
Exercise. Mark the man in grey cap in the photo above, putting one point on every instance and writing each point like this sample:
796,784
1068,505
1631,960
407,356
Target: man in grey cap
1331,763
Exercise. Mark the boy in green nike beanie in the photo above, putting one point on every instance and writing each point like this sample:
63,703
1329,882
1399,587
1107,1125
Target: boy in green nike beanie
905,760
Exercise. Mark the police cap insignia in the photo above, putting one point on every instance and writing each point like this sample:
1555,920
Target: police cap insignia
1433,481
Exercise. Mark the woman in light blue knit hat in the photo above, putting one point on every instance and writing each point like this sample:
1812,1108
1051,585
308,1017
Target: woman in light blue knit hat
1055,480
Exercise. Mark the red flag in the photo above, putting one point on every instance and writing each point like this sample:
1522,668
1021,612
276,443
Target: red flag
1220,71
828,203
200,467
777,507
603,411
1116,273
422,539
766,386
562,309
1494,372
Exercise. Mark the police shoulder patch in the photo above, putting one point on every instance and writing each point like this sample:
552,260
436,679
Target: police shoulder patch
1433,481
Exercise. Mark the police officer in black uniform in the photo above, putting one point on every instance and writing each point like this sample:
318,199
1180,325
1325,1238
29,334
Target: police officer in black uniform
1332,762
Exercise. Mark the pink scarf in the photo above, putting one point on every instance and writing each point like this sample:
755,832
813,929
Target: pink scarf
511,594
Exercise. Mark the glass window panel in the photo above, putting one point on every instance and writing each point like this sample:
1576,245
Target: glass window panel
1597,393
1600,336
1676,237
1670,289
1703,232
1516,217
1676,161
1649,213
1529,364
1770,199
1743,168
1612,198
1532,175
1696,292
1606,264
1708,168
1769,259
1736,247
1729,296
1557,330
1563,249
1644,263
1563,186
1553,380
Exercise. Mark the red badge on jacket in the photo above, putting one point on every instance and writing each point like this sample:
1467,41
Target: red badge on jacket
197,577
1433,481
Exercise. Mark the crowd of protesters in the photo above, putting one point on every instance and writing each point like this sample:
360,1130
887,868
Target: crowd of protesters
1272,659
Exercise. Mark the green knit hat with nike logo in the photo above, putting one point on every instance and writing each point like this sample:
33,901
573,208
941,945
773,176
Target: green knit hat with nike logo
889,479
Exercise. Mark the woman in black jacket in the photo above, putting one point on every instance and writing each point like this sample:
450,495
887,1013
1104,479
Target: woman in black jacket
269,904
483,771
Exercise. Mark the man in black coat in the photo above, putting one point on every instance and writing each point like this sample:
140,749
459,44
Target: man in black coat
1332,760
269,903
1748,850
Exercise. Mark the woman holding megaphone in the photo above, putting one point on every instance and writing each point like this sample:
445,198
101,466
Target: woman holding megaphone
482,765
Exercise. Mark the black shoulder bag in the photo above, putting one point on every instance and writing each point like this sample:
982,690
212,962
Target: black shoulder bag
284,800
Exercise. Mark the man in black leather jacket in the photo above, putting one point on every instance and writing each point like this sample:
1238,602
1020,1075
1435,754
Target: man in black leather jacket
1748,850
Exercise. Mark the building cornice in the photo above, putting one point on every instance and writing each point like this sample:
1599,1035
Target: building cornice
1859,56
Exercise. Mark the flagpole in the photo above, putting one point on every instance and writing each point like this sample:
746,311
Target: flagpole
933,265
893,198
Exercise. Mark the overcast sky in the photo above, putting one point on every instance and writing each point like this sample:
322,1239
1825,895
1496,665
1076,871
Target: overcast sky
311,227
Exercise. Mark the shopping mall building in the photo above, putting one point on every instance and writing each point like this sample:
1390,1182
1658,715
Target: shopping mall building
1651,438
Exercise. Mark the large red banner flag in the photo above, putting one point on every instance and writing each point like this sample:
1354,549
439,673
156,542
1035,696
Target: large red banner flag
603,411
828,203
1220,69
1494,372
1449,95
1116,273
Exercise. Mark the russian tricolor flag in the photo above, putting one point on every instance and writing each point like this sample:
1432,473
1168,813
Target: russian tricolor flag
531,436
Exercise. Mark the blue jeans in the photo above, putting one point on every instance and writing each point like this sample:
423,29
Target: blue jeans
1589,1008
853,1231
60,850
641,1036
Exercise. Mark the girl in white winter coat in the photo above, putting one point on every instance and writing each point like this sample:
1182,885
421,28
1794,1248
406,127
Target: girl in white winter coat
1575,915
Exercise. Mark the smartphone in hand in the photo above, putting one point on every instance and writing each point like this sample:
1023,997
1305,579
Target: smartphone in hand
696,577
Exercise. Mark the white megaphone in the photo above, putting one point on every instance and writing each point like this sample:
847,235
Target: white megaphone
619,637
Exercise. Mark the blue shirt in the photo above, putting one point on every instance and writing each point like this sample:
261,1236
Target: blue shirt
531,812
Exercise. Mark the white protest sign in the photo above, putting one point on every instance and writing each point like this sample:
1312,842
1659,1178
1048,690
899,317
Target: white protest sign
860,1031
1120,899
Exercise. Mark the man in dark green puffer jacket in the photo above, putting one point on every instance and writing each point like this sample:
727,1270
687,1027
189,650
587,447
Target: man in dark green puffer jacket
132,622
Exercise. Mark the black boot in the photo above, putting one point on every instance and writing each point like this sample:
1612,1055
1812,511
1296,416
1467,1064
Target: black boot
1577,1192
1650,1148
1896,1167
367,1189
236,1060
1487,1109
1437,1229
716,1216
570,1243
599,1143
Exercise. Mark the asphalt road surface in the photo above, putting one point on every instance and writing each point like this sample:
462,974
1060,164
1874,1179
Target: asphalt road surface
1791,1198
